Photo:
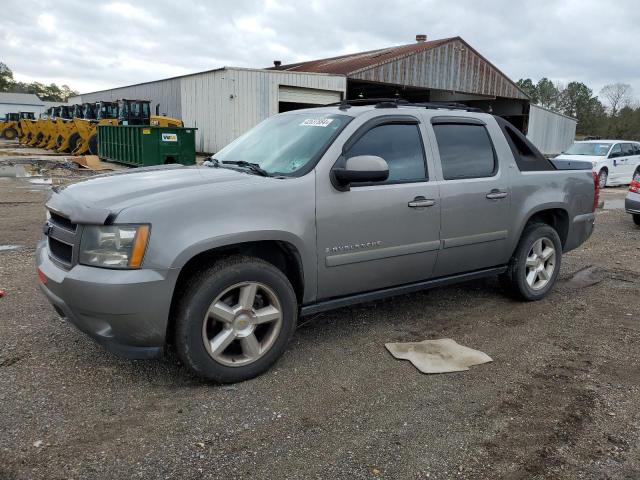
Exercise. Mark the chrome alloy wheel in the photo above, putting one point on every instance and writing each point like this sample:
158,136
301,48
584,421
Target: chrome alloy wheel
541,263
242,324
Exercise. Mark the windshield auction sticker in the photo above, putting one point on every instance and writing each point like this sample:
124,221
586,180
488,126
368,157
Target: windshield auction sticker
316,122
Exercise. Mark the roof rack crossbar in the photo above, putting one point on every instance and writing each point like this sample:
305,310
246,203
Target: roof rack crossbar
395,102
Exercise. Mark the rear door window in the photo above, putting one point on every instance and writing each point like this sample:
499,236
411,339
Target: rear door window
400,145
627,150
466,151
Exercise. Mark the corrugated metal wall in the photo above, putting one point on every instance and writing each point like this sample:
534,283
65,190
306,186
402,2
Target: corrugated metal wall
223,104
164,92
551,132
454,66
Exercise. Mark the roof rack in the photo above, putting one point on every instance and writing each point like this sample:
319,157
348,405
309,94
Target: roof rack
396,102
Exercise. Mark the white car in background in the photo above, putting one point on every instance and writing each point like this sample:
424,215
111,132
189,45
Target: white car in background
613,160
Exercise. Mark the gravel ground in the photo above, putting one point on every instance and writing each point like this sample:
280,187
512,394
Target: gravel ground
560,400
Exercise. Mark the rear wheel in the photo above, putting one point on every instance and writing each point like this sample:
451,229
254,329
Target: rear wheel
602,177
235,319
636,219
535,265
10,133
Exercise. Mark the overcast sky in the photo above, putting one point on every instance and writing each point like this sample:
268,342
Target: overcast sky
91,45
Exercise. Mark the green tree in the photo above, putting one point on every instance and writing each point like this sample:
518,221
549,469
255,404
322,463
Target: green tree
530,88
48,93
6,78
547,93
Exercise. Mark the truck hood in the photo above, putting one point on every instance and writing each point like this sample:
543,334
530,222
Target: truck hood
583,158
95,199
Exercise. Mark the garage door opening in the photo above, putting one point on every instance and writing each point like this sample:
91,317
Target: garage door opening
294,98
288,106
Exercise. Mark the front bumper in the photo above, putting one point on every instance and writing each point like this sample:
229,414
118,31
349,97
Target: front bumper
632,203
126,311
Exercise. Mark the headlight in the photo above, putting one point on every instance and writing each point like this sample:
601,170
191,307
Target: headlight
114,246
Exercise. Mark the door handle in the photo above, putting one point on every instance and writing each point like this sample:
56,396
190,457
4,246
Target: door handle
421,202
496,195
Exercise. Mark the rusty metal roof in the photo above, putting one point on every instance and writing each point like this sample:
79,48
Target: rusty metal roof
445,64
352,63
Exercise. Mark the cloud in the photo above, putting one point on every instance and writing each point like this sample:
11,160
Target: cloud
91,46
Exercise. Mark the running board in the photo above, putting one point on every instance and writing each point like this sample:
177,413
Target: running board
401,290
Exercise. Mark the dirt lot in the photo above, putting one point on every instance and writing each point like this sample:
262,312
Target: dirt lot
560,400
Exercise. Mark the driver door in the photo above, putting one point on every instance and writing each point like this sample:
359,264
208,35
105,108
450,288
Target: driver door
377,235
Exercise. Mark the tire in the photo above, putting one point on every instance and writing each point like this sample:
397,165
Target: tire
636,219
93,145
216,343
517,280
73,141
59,140
10,133
602,177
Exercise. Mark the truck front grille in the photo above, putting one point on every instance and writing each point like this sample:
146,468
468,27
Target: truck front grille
62,239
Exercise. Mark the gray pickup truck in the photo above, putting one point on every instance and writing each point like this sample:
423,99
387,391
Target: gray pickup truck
309,211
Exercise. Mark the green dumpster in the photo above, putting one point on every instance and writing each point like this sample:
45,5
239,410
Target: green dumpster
145,145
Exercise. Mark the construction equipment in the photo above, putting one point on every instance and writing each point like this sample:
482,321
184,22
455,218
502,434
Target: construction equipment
63,125
94,114
9,128
26,127
138,112
42,129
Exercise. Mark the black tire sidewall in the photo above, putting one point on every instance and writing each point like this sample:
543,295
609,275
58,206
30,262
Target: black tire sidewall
73,141
530,236
93,145
636,219
209,284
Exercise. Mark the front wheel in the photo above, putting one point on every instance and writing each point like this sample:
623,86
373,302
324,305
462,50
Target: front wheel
535,265
235,319
636,219
10,133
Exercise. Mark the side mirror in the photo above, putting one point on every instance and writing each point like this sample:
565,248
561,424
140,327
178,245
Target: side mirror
364,168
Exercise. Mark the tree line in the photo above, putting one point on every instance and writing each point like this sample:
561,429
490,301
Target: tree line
613,113
47,93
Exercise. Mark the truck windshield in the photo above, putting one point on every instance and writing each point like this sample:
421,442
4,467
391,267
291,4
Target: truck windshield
285,144
593,149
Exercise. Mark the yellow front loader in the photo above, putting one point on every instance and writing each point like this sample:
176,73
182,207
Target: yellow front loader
85,138
38,131
9,129
26,126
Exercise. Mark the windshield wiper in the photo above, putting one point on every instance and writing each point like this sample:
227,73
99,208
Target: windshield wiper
252,167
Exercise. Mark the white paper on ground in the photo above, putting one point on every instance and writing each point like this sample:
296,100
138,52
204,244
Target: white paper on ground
438,356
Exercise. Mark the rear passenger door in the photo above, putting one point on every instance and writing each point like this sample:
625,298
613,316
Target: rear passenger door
474,192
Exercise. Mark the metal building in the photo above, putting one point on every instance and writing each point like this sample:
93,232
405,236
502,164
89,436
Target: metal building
447,70
551,132
224,103
20,102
